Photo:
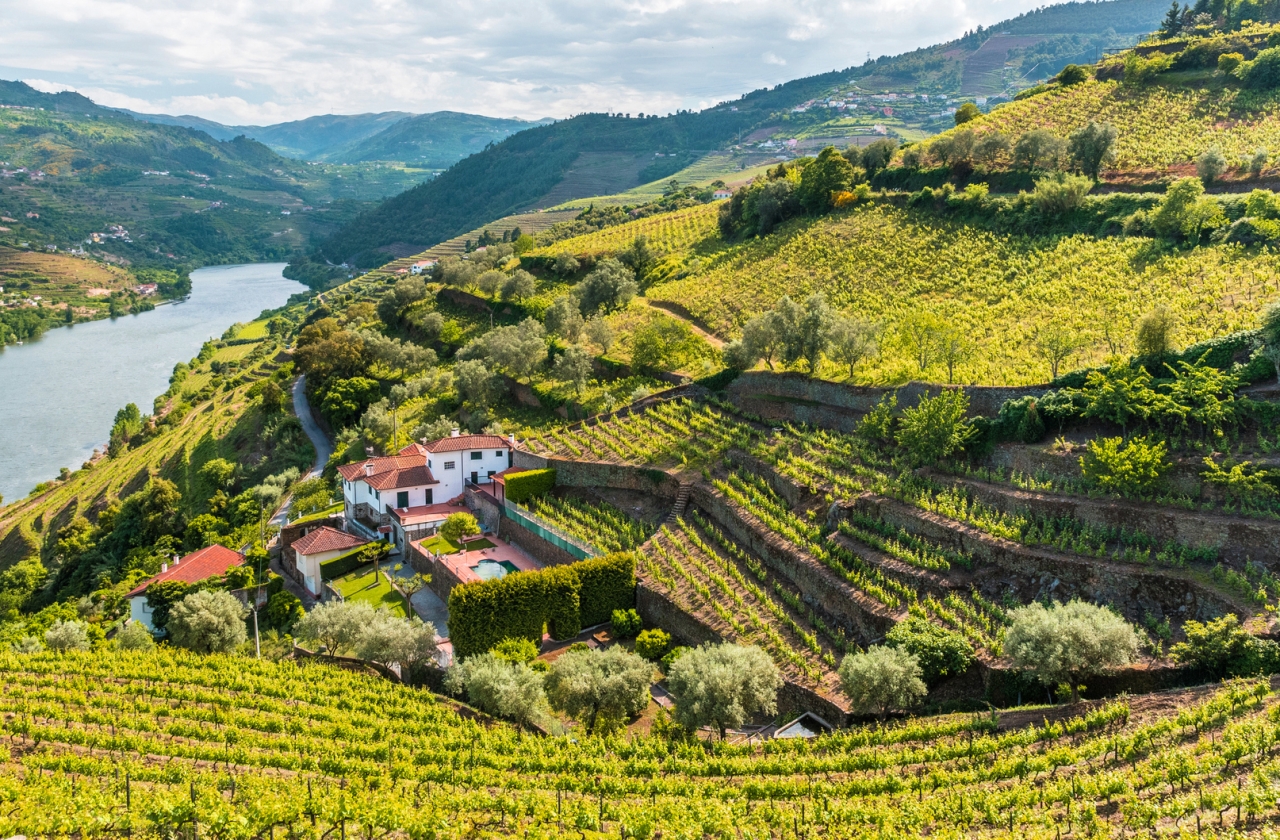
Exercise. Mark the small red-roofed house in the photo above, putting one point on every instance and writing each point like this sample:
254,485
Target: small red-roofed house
196,567
319,546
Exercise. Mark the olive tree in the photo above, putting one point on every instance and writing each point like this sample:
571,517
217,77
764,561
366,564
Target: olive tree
386,638
336,624
852,340
882,679
66,635
208,622
1211,164
1092,146
723,685
135,636
599,688
573,365
564,319
1066,643
499,687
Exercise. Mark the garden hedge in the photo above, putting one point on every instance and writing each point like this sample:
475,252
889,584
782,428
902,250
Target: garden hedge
343,564
562,598
529,484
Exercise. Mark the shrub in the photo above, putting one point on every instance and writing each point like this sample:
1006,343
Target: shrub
1072,74
516,650
672,656
498,687
208,622
877,426
1157,331
966,112
939,652
882,679
935,427
1263,72
284,610
135,636
1242,483
625,623
1135,468
1211,164
1065,643
653,645
1060,193
459,525
605,584
1229,62
1222,648
529,484
66,635
484,613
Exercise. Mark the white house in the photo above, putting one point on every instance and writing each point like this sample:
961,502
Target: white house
421,266
420,475
722,193
194,568
319,546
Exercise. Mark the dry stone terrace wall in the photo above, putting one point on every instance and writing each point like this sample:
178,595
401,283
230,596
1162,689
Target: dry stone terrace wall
658,610
863,619
1034,574
795,397
1236,538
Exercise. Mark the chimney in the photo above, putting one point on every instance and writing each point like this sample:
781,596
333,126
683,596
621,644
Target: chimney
455,433
164,567
512,438
368,467
175,559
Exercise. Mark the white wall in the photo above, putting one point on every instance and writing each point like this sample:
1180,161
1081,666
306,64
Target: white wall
453,478
309,565
140,612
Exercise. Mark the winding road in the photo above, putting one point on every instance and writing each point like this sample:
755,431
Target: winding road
302,409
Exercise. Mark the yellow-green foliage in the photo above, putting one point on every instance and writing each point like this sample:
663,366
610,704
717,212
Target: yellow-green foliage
1157,125
1001,289
667,232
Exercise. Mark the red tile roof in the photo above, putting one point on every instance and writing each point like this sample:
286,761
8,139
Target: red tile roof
461,442
427,513
324,539
195,567
390,472
414,449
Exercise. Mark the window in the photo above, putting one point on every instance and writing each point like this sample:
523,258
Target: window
402,499
476,456
428,496
491,473
498,454
448,465
428,463
376,496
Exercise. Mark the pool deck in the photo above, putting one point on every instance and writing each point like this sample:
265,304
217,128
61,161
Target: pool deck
460,563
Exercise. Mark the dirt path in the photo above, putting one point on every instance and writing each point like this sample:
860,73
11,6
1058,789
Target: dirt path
678,312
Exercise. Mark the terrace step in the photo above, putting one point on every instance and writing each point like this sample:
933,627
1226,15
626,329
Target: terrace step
682,503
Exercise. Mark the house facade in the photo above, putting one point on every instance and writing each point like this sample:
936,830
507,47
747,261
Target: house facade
321,545
195,567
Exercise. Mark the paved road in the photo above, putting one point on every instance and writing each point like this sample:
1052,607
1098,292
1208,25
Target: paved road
321,443
301,408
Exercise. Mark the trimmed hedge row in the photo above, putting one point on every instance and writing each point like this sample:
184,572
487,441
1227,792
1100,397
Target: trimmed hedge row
564,599
529,484
343,564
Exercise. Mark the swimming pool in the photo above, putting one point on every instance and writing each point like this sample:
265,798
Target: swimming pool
494,569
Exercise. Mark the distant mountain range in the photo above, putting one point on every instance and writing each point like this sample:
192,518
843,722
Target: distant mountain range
429,141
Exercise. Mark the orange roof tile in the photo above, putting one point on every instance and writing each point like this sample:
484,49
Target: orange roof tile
324,539
195,567
461,442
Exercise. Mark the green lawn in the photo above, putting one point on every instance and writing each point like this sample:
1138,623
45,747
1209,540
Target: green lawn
320,514
360,586
440,544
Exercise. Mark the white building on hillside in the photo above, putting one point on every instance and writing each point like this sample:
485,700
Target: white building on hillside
322,544
194,568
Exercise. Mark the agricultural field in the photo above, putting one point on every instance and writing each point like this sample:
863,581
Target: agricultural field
884,263
156,744
595,523
1158,125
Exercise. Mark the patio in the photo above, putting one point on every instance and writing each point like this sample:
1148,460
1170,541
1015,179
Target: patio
490,551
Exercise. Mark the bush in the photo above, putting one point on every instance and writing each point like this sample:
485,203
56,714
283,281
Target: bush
529,484
66,635
1136,468
939,652
1222,648
459,525
653,645
516,650
1059,193
284,610
1211,164
1228,63
625,623
935,427
1263,72
135,636
723,686
599,688
605,584
1072,74
881,680
672,656
498,687
484,613
208,622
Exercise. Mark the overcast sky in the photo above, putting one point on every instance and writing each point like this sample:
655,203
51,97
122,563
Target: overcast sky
267,61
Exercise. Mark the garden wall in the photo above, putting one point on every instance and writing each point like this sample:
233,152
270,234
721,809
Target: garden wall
1236,538
864,620
658,610
1035,574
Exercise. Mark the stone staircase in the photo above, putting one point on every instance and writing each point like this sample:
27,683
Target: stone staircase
682,502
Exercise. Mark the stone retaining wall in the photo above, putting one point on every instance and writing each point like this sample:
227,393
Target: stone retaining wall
659,611
863,619
1236,538
1035,574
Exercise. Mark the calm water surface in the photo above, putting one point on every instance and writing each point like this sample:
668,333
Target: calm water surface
59,394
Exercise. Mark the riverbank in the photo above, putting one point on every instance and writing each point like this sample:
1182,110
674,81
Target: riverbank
64,389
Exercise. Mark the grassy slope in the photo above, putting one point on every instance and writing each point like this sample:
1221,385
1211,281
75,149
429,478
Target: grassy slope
882,262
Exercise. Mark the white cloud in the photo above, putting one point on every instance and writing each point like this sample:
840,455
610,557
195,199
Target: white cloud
264,62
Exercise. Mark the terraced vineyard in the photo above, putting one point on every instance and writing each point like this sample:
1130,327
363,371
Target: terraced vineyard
711,577
163,744
596,523
667,233
1158,126
671,432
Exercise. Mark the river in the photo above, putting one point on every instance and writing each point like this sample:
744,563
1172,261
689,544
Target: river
59,394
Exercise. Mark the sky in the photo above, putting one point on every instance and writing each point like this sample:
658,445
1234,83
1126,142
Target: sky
256,62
